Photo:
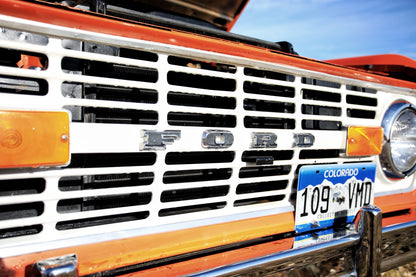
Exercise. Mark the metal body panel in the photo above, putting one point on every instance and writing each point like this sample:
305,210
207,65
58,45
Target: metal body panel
121,81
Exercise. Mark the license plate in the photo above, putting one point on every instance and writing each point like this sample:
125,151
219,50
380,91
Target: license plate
331,195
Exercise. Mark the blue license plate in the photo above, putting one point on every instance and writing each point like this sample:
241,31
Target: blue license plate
330,195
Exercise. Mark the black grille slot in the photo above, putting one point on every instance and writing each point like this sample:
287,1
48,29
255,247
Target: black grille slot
22,186
17,211
318,95
269,122
23,86
111,93
254,156
197,100
321,83
268,106
201,81
201,120
74,183
321,125
111,160
268,74
23,59
319,154
266,89
199,157
198,175
361,89
258,200
119,116
193,193
109,70
263,171
109,50
261,186
103,202
202,64
102,220
20,231
360,100
321,110
192,209
138,55
357,113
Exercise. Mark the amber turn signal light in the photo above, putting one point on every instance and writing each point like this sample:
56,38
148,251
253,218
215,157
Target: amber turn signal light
364,141
34,138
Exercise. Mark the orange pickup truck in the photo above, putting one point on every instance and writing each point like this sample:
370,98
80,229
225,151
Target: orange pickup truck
143,138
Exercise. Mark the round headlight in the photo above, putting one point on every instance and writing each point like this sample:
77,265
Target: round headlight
398,157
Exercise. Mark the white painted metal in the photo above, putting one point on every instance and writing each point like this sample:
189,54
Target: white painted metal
96,138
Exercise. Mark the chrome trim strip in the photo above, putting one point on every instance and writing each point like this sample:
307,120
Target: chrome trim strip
287,259
366,240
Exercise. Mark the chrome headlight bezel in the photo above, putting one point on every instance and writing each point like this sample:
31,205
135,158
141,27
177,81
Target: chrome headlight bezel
390,168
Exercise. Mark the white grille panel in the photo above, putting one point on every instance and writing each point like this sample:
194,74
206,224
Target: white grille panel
116,90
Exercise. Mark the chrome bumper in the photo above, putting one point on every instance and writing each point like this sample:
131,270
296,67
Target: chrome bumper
366,249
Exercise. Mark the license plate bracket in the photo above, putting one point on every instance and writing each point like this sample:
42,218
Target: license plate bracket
331,195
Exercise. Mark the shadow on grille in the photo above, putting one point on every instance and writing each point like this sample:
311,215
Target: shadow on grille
213,66
258,200
120,180
22,186
361,89
358,113
199,157
22,59
319,154
321,125
198,100
198,175
101,220
201,120
268,122
267,89
192,209
109,70
110,93
268,74
194,193
322,83
263,171
261,186
25,210
201,81
20,231
111,160
256,156
23,86
361,100
109,50
321,110
110,115
103,202
268,106
318,95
